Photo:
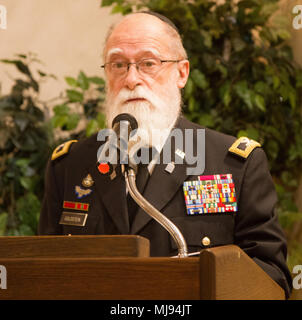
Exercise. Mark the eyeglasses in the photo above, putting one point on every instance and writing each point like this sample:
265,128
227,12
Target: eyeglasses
145,66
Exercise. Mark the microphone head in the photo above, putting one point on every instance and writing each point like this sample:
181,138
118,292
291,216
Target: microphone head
126,117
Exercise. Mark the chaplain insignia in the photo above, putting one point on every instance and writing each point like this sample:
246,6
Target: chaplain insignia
82,192
62,149
170,167
244,146
210,194
87,181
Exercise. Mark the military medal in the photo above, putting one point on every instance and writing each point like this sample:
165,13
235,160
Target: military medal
82,192
87,181
210,194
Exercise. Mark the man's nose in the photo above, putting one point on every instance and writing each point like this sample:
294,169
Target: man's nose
133,78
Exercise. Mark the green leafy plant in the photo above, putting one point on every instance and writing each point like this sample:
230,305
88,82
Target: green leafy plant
82,101
28,136
25,145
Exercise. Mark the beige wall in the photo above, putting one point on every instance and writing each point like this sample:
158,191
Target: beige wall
67,35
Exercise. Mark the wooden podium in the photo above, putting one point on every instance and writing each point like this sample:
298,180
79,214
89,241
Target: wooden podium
119,267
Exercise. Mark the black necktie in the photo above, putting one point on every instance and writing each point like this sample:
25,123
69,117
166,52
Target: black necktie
141,181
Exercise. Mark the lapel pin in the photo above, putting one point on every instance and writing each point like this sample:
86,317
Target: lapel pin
180,153
170,167
87,181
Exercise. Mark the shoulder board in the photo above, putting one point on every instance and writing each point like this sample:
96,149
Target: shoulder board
62,149
244,146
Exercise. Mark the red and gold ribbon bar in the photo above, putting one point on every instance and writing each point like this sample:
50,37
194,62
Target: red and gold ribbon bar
76,205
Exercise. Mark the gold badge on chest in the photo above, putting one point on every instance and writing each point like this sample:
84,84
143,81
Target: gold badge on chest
87,181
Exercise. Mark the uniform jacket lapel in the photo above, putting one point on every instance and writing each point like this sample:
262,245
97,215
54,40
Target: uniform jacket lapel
113,195
159,190
161,187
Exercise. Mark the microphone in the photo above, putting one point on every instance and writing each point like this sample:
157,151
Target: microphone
114,150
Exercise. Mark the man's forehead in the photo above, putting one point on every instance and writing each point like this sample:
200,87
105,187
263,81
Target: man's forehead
135,51
139,31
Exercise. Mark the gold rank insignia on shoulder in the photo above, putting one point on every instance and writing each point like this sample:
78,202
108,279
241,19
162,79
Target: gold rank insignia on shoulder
244,146
62,149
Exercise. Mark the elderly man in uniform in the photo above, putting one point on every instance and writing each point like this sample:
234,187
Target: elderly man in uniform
146,66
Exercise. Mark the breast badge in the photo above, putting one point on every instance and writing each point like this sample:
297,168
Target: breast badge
87,181
82,192
210,194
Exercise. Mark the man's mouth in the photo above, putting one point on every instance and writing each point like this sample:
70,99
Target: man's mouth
135,100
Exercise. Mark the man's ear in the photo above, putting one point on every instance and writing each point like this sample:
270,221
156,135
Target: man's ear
184,70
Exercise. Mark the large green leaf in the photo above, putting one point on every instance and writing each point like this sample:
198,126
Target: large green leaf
242,90
97,80
107,3
199,79
259,102
225,93
74,96
73,120
92,127
61,109
71,81
83,81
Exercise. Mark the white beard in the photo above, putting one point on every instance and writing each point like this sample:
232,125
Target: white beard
155,116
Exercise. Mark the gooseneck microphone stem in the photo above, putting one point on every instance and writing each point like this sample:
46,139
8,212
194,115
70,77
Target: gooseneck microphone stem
154,213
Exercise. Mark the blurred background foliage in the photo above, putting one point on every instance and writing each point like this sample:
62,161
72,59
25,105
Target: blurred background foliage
243,82
29,131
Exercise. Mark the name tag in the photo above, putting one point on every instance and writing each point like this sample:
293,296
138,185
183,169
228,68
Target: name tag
73,219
